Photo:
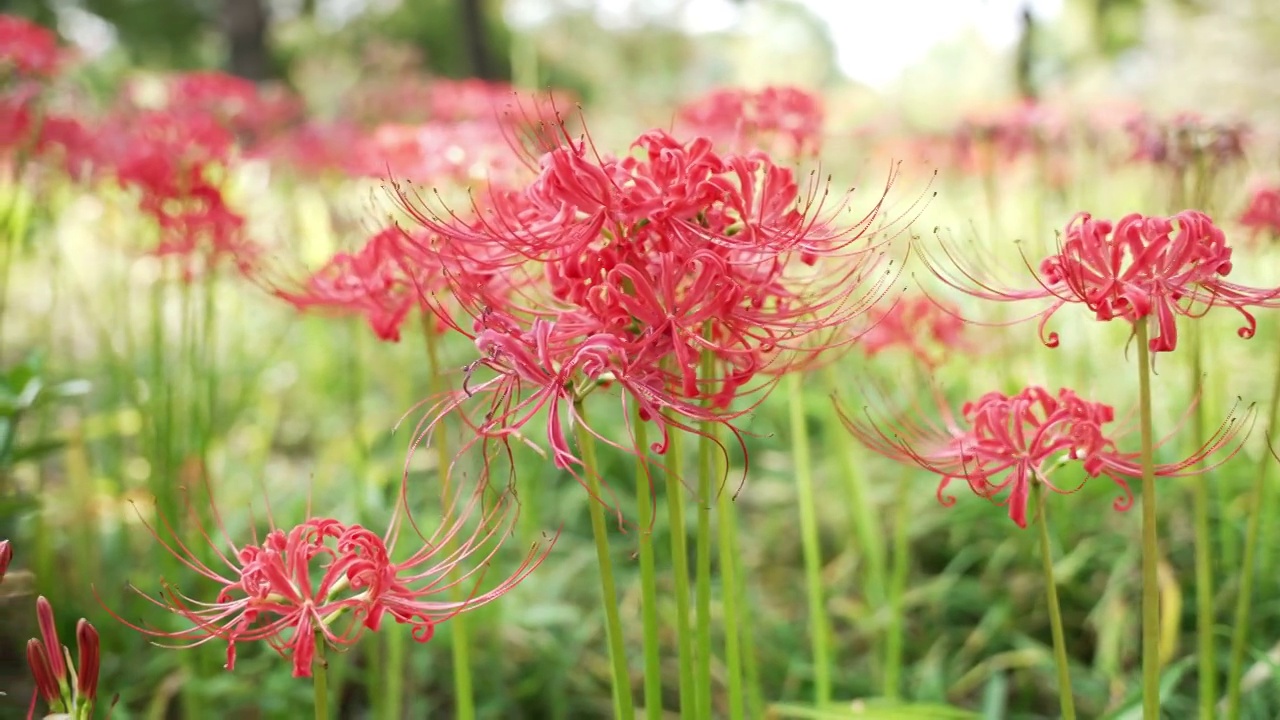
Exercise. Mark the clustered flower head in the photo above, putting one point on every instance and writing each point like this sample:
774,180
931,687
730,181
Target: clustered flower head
27,50
326,581
1135,268
252,112
780,119
29,62
174,160
1186,140
984,141
678,273
372,282
64,686
1004,443
1262,216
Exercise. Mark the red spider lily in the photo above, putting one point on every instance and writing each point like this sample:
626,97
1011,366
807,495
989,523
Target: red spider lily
173,159
1004,443
1135,268
392,274
439,152
741,119
1263,213
241,106
469,99
312,148
918,324
1184,139
18,127
633,271
68,143
371,282
328,581
62,687
985,142
27,49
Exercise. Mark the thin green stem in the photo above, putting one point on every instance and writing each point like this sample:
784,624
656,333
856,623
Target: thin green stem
394,673
381,671
320,677
732,617
1055,612
746,626
648,576
460,632
1244,596
1150,538
819,629
1208,664
624,705
706,469
897,590
373,676
867,527
680,569
702,592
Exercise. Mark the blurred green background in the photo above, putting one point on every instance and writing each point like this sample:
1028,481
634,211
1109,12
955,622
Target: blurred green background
139,388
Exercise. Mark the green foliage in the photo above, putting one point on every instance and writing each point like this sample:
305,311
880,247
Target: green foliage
26,396
24,390
436,27
159,33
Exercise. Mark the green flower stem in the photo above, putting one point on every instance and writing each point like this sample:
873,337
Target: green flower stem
1055,612
746,630
706,469
867,530
680,568
320,677
648,576
897,590
1257,503
1208,665
819,630
460,635
1150,539
624,705
394,673
732,593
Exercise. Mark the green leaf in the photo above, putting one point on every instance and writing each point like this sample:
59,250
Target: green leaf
37,449
1132,707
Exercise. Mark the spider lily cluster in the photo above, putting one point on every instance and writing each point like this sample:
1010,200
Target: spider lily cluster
688,277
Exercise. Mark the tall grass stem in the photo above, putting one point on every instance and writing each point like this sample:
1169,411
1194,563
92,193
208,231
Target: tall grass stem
1150,537
1065,697
819,628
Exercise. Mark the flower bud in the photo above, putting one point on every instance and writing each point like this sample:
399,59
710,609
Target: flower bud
6,554
90,660
46,681
49,632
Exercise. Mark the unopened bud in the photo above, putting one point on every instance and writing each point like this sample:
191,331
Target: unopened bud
90,659
49,632
46,681
6,554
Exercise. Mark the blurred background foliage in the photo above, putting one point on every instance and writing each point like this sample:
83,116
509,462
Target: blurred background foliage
976,619
649,47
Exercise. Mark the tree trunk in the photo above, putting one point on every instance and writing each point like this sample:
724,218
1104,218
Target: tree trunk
475,36
244,24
